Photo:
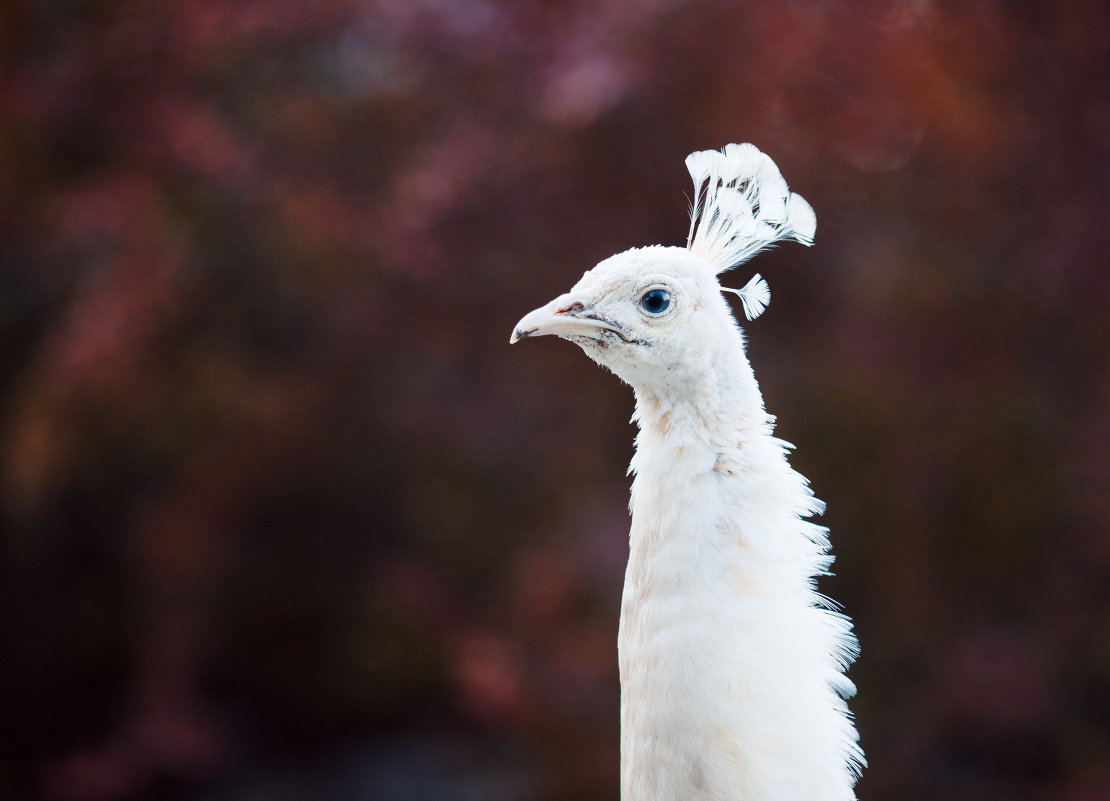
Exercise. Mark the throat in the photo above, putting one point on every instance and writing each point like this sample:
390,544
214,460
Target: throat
679,441
721,408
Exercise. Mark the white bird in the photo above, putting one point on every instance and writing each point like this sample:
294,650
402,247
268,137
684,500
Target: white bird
731,663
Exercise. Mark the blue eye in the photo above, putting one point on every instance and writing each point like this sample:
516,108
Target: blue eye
656,301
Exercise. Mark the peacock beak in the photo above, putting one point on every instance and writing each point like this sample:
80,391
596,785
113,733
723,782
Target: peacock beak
566,316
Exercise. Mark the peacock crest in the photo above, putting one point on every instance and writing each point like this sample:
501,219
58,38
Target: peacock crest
741,206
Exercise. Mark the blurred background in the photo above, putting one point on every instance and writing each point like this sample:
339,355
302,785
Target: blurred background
285,517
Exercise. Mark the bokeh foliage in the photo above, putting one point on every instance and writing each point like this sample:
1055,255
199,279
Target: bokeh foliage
285,517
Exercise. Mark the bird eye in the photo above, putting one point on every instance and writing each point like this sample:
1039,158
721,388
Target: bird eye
656,301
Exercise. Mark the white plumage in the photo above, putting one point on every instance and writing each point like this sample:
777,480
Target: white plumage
731,663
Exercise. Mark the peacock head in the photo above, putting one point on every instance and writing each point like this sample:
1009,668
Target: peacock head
645,314
655,316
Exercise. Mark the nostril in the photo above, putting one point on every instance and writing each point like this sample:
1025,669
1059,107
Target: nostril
574,307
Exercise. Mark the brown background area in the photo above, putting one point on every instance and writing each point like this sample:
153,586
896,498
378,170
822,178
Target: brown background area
284,517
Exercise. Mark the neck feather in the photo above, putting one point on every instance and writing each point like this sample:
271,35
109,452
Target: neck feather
731,681
711,454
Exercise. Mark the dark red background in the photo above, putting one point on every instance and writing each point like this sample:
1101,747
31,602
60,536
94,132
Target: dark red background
285,517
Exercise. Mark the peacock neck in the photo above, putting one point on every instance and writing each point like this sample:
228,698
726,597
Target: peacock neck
715,411
712,463
730,670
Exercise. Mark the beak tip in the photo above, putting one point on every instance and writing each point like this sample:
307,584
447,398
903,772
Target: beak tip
524,329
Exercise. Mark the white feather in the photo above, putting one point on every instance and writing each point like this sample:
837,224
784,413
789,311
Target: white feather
742,205
755,296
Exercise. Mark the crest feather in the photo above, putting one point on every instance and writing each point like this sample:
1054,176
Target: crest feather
741,206
755,296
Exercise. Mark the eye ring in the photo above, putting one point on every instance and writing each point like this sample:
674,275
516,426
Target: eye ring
656,301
